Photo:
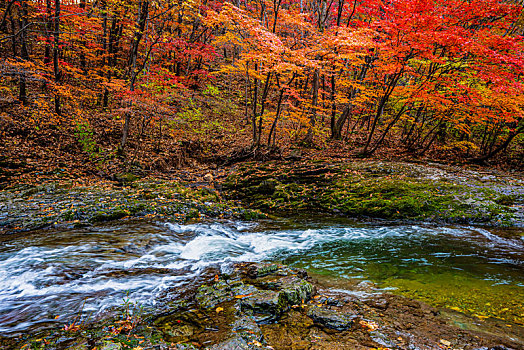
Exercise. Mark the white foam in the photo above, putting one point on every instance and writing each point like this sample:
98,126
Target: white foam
43,277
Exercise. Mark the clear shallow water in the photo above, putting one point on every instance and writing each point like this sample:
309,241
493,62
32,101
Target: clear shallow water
49,274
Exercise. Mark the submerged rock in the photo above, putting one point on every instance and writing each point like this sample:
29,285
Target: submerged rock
264,305
185,347
246,336
238,343
109,345
331,319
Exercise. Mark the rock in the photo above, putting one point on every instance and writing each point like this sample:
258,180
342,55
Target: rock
445,342
248,330
209,177
180,326
238,343
268,305
247,336
330,301
185,347
331,319
182,332
382,340
246,324
211,295
109,345
261,270
381,303
264,305
280,287
295,291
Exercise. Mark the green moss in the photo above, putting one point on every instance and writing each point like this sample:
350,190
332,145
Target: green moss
102,216
126,178
373,190
505,199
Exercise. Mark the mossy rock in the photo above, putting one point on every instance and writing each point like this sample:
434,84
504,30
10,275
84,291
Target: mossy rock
102,216
209,296
331,319
295,291
126,178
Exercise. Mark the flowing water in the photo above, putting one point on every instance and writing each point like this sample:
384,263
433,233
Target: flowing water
48,274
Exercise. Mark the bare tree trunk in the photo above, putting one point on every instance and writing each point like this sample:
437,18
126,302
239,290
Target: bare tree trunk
502,146
246,92
380,109
314,103
338,124
255,101
3,24
56,53
262,107
48,29
143,10
83,64
24,54
272,131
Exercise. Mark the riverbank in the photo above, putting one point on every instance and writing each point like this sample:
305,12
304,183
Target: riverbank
385,190
66,205
362,189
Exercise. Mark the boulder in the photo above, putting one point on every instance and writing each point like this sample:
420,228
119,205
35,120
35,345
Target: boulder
295,291
331,319
247,336
263,305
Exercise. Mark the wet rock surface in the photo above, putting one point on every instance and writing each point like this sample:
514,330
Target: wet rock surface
270,306
66,205
331,319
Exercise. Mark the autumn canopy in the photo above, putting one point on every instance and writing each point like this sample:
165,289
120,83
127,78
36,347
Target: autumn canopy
140,77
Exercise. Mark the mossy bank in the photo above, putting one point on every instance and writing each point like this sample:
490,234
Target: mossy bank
386,190
29,207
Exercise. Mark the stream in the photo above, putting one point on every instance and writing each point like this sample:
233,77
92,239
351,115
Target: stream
50,277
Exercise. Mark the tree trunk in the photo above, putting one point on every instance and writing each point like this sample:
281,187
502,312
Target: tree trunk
48,29
502,146
255,101
262,107
24,54
56,54
143,9
314,102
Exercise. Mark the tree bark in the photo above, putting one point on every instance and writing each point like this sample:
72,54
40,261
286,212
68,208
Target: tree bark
24,54
56,54
314,102
143,10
